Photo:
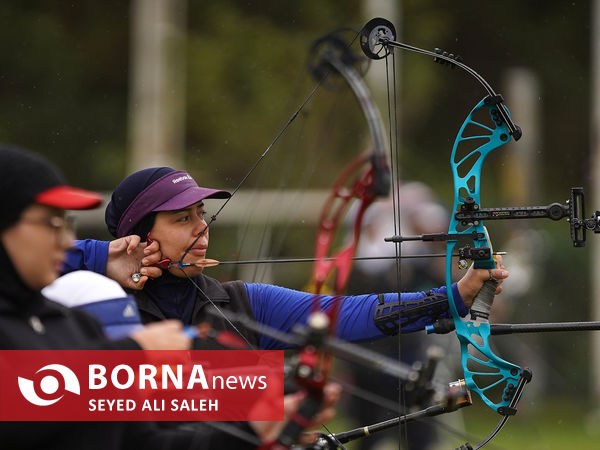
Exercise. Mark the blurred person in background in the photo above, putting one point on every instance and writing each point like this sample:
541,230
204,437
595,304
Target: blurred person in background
34,237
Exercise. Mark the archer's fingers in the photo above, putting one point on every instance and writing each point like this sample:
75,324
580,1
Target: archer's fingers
324,416
130,284
151,259
132,243
331,394
310,437
147,274
291,402
152,248
151,272
498,274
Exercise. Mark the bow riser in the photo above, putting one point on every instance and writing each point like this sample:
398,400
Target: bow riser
332,214
484,372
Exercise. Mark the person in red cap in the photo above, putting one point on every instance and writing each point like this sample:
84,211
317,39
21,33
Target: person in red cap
34,236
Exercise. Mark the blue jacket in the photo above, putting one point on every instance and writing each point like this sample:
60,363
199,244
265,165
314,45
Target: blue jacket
274,306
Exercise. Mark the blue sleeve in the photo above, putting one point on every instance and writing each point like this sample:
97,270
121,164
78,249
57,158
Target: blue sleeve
88,254
282,308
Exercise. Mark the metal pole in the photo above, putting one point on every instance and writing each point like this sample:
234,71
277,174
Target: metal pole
595,177
157,84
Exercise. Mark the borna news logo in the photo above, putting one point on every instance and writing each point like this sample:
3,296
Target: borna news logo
77,385
51,386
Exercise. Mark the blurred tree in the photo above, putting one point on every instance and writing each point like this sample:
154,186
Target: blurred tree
63,84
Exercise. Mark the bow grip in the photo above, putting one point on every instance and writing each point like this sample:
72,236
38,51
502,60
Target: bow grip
482,305
300,420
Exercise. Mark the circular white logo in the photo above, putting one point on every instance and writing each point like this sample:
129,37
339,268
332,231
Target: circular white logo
49,385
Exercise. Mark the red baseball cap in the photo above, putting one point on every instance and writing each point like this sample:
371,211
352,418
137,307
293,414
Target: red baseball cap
67,197
27,178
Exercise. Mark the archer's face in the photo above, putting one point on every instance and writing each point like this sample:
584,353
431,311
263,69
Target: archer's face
36,245
176,231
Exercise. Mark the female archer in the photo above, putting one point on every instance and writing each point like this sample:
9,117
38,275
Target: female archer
167,206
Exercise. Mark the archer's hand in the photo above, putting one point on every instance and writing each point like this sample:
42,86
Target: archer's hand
164,335
472,282
127,255
268,431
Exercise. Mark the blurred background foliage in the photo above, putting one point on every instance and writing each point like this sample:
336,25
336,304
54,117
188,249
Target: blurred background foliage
64,82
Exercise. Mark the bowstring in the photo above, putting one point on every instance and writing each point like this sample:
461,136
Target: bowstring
279,240
284,171
180,264
309,169
221,313
257,162
278,135
392,106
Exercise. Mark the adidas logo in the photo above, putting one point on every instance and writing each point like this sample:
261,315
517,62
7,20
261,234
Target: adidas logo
129,311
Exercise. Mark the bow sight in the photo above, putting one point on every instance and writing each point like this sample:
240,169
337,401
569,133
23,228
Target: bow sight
469,213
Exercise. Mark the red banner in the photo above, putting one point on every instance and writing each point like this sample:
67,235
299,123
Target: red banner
141,385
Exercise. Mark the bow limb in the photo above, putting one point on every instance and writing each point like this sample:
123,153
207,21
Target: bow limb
332,214
366,177
363,180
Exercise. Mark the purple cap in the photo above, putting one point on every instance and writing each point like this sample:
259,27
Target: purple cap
173,191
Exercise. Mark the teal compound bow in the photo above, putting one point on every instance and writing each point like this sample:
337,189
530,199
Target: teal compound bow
484,371
488,127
